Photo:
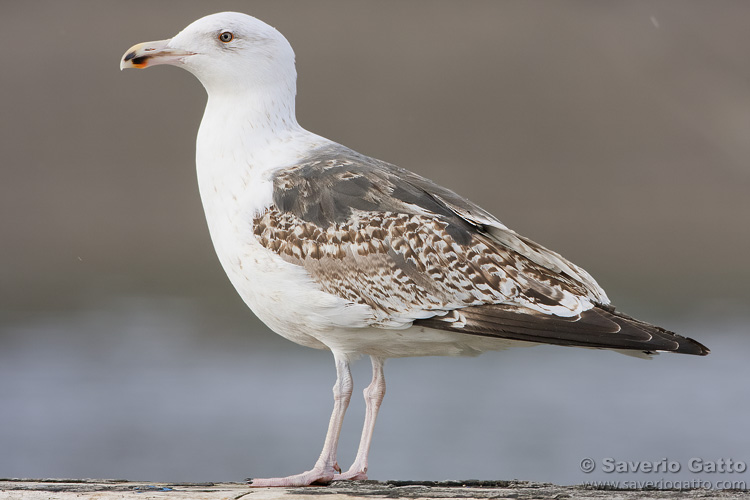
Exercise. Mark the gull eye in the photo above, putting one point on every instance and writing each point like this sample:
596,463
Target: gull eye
226,36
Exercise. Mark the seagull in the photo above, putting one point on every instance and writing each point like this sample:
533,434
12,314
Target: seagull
336,250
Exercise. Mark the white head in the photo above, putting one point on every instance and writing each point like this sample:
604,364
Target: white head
228,52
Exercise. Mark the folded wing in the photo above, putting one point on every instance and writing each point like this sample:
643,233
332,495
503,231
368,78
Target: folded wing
420,254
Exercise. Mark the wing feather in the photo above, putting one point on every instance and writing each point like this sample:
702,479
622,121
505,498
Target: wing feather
417,253
600,327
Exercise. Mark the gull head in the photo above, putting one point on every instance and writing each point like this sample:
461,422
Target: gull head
227,52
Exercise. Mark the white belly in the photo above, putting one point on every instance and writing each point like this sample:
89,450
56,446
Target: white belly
281,294
284,298
235,188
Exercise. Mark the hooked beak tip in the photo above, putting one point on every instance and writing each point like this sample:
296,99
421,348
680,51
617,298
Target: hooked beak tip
144,55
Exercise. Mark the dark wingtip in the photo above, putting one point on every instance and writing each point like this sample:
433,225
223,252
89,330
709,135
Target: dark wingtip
249,480
129,56
684,345
690,346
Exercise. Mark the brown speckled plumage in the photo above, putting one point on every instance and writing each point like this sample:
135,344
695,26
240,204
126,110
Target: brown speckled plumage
417,253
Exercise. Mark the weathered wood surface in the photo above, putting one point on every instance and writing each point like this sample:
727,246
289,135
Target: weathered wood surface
89,489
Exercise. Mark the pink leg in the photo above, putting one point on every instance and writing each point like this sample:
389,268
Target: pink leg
374,394
326,467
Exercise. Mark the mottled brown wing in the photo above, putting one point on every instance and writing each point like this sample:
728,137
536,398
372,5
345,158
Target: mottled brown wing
382,236
374,234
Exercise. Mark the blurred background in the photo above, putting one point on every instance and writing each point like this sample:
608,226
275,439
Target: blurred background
613,132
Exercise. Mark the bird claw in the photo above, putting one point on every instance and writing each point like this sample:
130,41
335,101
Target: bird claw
314,477
351,475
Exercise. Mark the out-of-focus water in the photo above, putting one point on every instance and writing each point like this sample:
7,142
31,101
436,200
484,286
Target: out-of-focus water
158,389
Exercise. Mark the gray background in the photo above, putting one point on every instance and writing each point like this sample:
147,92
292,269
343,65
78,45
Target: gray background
613,132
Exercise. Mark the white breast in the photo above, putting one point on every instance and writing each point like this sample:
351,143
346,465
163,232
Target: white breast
233,162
